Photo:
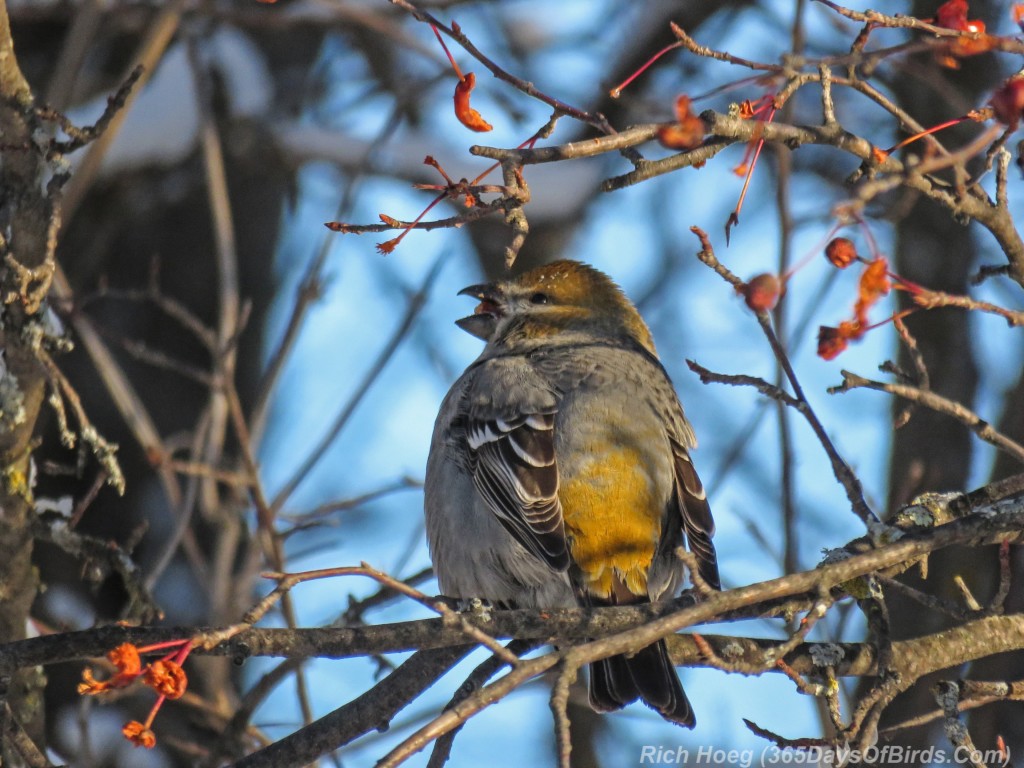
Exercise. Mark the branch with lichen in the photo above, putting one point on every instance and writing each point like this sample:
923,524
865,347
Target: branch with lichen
991,514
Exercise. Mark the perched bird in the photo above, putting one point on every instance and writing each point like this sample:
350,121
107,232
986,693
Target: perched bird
559,472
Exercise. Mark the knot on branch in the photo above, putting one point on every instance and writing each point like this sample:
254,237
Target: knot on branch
31,284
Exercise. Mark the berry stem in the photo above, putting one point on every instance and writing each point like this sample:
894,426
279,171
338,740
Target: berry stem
448,53
617,90
928,132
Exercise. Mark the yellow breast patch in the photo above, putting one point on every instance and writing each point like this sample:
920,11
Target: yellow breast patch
612,522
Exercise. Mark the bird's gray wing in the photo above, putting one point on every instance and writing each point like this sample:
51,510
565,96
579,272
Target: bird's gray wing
509,428
697,521
698,524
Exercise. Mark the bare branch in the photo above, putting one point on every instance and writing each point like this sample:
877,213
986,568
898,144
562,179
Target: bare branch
938,403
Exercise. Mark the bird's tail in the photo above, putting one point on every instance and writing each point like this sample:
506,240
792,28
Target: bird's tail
649,676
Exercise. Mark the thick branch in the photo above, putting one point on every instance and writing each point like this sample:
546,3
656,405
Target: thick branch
984,523
372,710
28,219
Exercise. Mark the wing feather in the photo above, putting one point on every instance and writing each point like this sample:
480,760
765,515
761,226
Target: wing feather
515,472
697,521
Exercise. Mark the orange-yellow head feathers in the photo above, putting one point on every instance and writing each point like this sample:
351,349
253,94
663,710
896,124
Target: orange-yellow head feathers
564,299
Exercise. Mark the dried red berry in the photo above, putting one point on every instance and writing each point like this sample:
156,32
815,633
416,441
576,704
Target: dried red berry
689,130
468,116
1008,101
832,341
761,293
952,15
841,252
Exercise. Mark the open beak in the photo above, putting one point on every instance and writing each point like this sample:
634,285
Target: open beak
484,320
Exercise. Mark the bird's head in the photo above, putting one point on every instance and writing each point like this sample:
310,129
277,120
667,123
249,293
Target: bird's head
562,301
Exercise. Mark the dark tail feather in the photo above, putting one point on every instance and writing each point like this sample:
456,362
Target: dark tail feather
648,676
611,684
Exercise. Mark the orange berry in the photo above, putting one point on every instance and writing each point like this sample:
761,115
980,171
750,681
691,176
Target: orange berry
831,342
139,735
841,252
468,116
762,292
167,678
1008,101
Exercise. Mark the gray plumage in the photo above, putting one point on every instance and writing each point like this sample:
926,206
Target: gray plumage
566,402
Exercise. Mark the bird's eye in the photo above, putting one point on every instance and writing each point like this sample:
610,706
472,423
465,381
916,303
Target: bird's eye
539,298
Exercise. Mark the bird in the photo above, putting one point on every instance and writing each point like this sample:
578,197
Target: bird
559,472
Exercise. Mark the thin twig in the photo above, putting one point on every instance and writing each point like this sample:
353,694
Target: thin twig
465,217
937,403
82,136
973,694
476,680
1005,578
696,48
559,709
929,299
898,21
15,738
